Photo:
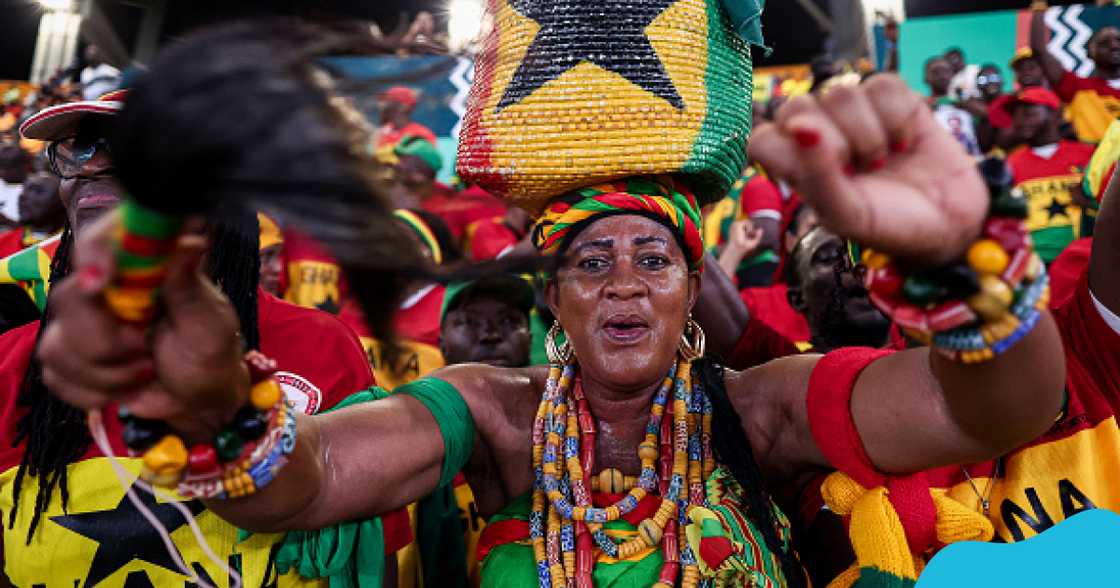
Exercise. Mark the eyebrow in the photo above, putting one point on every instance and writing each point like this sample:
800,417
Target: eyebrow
639,241
596,244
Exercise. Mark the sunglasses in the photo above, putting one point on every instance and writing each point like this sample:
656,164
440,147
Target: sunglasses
68,156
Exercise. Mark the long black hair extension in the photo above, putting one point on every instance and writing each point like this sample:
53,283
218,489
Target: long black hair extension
54,432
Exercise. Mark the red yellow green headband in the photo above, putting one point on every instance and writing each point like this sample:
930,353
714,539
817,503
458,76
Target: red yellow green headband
661,198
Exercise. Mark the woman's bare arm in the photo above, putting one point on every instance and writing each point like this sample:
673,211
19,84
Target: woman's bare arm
360,461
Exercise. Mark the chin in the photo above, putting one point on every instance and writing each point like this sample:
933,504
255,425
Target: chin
627,368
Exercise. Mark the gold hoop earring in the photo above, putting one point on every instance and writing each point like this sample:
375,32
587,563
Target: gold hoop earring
558,354
692,341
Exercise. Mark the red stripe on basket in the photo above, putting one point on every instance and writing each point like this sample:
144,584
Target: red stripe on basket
476,145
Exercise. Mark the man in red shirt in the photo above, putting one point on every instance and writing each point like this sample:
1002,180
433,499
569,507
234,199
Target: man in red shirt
1048,170
396,106
1094,101
97,534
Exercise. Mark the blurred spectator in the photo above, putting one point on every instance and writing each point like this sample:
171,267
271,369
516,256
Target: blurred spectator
826,289
755,198
98,78
272,255
956,120
487,321
14,166
395,108
41,214
1049,171
963,85
417,164
1028,69
1094,100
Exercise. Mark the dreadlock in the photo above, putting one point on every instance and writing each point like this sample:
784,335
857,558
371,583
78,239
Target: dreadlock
55,432
732,448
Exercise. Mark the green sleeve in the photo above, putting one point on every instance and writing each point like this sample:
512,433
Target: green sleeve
454,420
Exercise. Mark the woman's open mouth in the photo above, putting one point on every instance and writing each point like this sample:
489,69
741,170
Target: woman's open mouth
625,328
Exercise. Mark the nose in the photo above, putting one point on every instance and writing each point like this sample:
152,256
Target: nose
624,283
488,332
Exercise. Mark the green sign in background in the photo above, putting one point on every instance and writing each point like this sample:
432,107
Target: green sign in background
987,37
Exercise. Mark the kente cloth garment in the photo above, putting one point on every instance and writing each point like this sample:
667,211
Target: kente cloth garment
1069,469
101,539
721,531
662,198
1048,179
1093,104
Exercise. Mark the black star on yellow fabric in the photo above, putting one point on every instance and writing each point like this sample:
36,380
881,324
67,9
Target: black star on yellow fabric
574,31
1056,208
123,534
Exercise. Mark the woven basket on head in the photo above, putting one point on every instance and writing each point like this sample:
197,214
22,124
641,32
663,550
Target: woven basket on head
574,92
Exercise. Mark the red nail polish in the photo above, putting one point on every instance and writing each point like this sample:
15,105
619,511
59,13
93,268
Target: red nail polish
90,277
879,164
849,170
807,138
898,146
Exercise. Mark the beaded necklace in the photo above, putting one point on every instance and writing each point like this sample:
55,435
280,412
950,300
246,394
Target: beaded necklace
676,458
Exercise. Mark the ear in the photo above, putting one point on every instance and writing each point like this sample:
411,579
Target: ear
552,296
796,299
695,281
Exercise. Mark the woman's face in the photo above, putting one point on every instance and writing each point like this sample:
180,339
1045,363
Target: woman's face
623,295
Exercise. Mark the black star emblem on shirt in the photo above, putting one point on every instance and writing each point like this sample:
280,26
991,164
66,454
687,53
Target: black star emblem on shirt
123,534
574,31
1056,208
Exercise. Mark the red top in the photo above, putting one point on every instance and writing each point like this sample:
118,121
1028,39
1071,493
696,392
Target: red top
771,306
312,277
489,238
461,210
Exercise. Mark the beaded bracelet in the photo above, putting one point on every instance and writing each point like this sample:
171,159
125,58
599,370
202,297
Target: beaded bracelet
976,309
243,458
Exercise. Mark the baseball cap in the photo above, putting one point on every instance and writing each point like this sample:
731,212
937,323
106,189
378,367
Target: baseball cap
1040,96
402,95
1022,54
417,146
62,120
509,288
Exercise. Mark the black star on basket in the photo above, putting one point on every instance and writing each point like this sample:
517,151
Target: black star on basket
575,31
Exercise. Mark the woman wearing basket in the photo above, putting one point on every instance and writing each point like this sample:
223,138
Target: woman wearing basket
632,459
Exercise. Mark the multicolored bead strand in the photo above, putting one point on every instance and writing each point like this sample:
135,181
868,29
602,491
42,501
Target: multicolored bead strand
675,455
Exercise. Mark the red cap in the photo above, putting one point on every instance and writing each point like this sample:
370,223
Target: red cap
56,122
1034,96
401,95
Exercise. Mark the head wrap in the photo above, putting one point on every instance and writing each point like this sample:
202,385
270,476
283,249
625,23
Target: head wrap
422,230
661,198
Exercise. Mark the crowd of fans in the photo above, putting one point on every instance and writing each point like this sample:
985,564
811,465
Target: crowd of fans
774,272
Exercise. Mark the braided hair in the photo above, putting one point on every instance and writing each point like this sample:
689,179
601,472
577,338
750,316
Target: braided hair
55,432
